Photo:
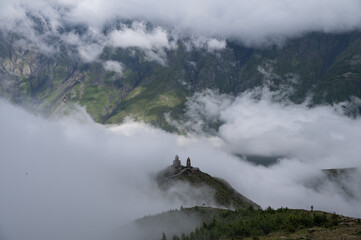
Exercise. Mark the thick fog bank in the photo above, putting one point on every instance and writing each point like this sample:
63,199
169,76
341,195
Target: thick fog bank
73,179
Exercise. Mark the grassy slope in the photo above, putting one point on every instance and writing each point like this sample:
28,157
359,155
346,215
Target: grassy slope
149,101
277,224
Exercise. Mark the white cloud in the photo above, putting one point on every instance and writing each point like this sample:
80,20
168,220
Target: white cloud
257,20
208,43
89,52
256,23
272,129
90,44
261,126
214,44
73,179
138,36
253,23
152,42
113,66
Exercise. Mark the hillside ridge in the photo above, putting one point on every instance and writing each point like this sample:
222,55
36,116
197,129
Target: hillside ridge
207,190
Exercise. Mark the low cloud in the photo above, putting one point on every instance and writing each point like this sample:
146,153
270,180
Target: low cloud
152,42
90,52
215,44
255,123
75,179
202,42
113,66
253,23
256,24
138,36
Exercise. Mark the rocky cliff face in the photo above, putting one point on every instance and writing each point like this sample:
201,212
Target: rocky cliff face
326,67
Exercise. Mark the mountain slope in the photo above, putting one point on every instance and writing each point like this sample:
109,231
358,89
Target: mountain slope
188,182
325,66
278,224
211,223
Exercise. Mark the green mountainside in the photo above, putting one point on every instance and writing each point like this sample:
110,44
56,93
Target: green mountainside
326,67
269,224
275,224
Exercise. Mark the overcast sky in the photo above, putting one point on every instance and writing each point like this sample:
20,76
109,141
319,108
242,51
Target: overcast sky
253,23
254,20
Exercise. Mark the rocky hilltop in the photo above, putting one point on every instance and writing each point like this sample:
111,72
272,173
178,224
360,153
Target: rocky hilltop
191,185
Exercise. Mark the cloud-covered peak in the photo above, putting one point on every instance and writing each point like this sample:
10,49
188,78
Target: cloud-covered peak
154,26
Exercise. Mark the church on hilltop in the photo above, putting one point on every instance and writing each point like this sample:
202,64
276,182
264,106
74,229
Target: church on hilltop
178,166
